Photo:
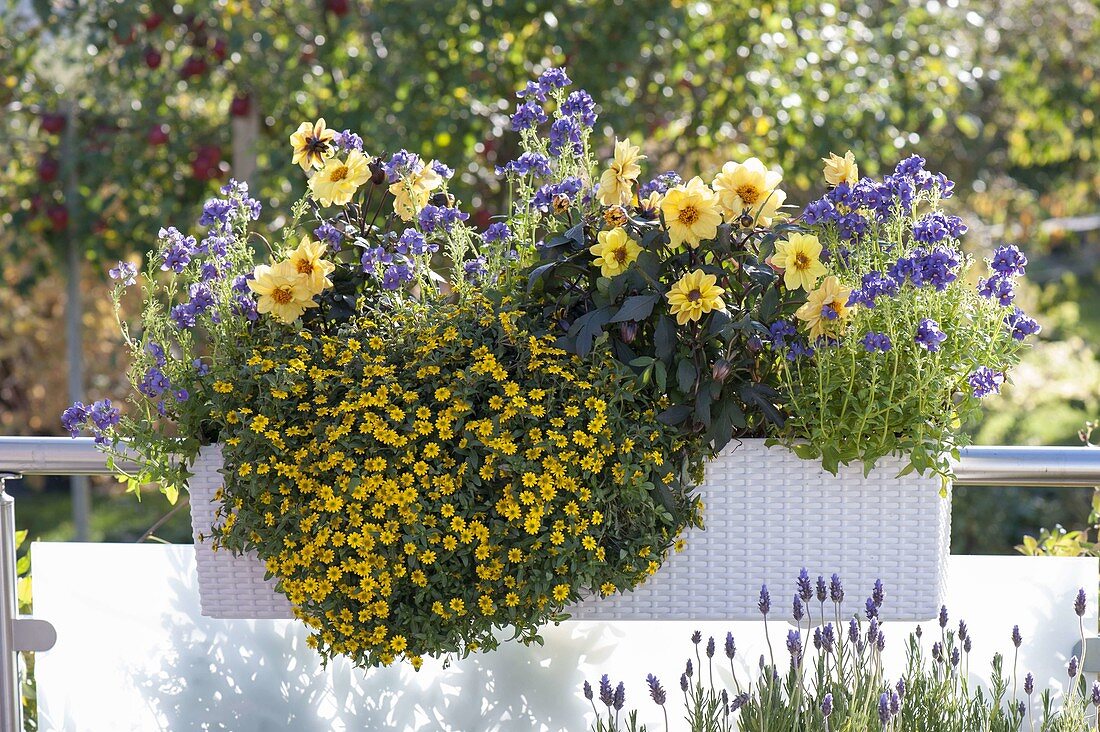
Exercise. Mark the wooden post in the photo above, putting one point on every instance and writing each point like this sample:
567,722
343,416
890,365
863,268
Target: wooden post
74,308
246,130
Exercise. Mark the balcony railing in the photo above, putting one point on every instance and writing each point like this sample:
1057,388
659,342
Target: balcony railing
1075,467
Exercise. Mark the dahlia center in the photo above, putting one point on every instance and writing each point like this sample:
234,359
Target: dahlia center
748,193
801,261
695,296
282,295
619,255
305,266
688,215
338,174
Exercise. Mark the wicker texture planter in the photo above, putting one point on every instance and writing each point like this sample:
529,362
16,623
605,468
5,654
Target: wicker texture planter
768,514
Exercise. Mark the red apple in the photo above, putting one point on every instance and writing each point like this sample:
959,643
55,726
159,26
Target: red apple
206,164
221,49
241,105
158,135
58,216
152,58
339,8
53,122
48,169
153,21
193,66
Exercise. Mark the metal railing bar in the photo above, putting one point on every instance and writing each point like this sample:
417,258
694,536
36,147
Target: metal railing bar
978,465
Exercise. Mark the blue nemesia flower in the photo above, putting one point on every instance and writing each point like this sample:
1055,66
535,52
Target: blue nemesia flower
126,272
817,212
579,105
183,316
877,342
997,288
157,353
533,90
497,232
1009,261
245,306
153,383
1020,325
202,299
798,350
565,132
177,254
373,258
660,184
215,210
402,164
329,234
929,335
443,171
209,271
780,331
103,416
985,381
396,275
73,418
528,115
412,242
873,285
475,268
543,200
433,218
910,167
529,163
554,78
182,395
348,140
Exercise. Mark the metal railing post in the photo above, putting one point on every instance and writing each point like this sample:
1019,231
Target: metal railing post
11,705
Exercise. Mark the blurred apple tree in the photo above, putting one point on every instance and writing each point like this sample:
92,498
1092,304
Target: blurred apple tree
1000,94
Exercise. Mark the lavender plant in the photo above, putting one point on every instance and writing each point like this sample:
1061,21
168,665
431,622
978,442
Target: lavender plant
834,679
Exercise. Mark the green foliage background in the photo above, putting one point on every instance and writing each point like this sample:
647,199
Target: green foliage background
1000,95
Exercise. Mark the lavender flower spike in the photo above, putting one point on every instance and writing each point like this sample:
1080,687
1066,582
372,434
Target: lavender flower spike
878,594
1079,603
822,590
1096,694
1072,666
765,603
836,589
884,709
943,616
805,589
656,691
1017,639
606,695
1029,684
731,647
827,705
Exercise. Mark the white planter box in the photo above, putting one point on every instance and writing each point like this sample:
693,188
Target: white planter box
768,514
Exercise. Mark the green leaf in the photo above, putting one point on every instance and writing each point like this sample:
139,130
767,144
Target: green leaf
637,307
664,338
686,373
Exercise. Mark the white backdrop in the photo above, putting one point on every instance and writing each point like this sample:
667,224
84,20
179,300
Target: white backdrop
133,653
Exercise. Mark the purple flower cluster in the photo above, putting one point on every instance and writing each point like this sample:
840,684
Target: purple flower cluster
401,165
565,133
544,197
529,163
1007,263
440,218
873,286
660,184
125,272
579,106
877,342
412,243
1020,325
934,227
497,232
985,381
475,268
330,235
929,335
177,249
937,267
527,115
348,140
101,415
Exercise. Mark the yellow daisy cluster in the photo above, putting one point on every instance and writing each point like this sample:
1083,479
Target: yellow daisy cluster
410,511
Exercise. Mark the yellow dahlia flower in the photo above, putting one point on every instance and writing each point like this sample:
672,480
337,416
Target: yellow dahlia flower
839,169
283,292
749,188
618,180
691,213
337,182
312,144
614,252
800,259
412,193
826,308
306,261
694,295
